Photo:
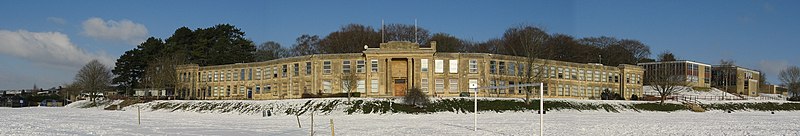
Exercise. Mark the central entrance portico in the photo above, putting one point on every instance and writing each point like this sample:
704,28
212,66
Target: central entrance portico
401,60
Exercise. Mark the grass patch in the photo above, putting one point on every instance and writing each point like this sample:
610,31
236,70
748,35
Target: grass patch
703,89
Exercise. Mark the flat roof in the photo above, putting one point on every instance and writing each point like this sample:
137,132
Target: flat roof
677,61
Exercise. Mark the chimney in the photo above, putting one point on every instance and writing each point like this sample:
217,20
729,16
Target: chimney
433,46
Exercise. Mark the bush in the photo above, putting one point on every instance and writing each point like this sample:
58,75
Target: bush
607,95
659,107
352,94
463,94
794,98
310,95
416,97
634,97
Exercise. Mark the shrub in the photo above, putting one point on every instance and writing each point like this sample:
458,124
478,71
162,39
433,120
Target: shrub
634,97
659,107
463,94
608,95
416,97
794,98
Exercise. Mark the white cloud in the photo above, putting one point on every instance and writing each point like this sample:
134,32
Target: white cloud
57,20
50,48
772,68
124,30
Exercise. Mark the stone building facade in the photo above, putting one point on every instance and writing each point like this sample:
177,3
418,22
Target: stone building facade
735,79
394,67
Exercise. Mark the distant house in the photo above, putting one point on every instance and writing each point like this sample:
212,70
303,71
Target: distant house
13,101
151,92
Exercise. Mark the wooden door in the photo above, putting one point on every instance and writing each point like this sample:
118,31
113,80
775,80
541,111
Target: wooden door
400,87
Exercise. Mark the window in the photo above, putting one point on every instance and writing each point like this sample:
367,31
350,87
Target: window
560,73
473,81
326,67
502,83
258,73
345,66
438,66
275,72
560,91
453,66
296,69
597,91
573,90
361,88
502,67
258,89
604,79
512,69
216,91
228,74
513,89
215,76
374,66
424,65
326,86
268,72
492,67
439,85
250,74
473,66
285,70
424,84
308,68
373,85
574,74
267,88
493,83
596,76
360,66
453,85
628,78
521,70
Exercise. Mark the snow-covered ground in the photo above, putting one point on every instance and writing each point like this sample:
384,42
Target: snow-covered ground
75,121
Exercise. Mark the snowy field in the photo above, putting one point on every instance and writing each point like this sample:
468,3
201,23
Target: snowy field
40,121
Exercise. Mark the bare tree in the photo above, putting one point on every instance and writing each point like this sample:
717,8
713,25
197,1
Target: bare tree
93,78
270,50
636,48
161,73
528,42
448,43
349,82
350,38
403,32
306,45
791,79
727,74
666,56
416,97
69,91
666,84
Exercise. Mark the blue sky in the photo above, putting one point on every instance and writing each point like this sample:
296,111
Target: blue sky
46,42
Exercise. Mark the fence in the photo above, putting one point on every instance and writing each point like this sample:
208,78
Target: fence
695,98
